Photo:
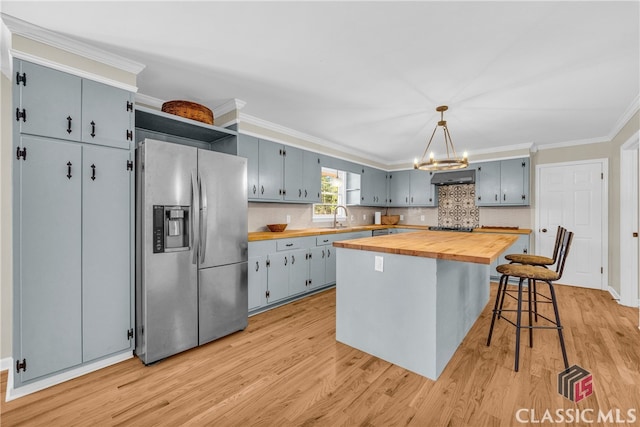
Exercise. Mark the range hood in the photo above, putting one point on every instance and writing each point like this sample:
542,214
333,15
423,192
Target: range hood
467,176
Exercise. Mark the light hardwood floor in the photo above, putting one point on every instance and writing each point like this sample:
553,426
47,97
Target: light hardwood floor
286,369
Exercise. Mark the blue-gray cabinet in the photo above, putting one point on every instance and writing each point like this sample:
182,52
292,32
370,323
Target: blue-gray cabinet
373,187
72,222
60,105
276,172
411,188
72,269
503,182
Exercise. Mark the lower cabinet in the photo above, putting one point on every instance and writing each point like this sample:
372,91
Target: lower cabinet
282,269
72,246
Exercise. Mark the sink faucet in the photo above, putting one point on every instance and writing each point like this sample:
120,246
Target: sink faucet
336,224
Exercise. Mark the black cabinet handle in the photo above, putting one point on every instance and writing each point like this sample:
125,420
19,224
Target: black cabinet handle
69,124
262,189
93,129
254,189
289,245
69,164
93,172
285,260
305,194
328,253
293,259
299,192
323,253
257,266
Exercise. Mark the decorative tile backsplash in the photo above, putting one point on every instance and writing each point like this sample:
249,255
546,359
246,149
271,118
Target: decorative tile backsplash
457,206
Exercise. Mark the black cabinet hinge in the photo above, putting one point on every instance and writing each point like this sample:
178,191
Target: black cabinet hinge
130,334
21,78
479,168
524,164
129,165
21,153
523,197
21,115
268,263
129,135
268,294
21,365
129,106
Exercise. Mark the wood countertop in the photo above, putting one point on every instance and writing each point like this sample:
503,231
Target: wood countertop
481,248
255,236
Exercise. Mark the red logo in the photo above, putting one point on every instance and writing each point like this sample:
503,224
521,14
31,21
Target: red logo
575,383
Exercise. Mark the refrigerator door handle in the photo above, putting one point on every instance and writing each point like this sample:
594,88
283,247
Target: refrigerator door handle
195,211
204,219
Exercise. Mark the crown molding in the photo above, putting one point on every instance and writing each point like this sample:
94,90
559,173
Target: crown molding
632,109
267,125
70,70
141,98
51,38
227,107
573,143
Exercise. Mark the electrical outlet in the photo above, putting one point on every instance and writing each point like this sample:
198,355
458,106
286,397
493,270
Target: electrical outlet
364,217
379,263
353,217
422,218
401,217
288,219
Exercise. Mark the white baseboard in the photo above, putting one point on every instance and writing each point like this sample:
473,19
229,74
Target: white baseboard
6,363
614,294
14,393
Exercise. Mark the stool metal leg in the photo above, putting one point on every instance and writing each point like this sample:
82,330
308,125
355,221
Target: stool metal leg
558,324
495,309
518,324
529,284
504,292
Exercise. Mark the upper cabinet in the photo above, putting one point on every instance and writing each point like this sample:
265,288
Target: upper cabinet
276,172
60,105
412,188
373,187
503,183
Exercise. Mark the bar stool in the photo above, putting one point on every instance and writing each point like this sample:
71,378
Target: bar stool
539,260
532,273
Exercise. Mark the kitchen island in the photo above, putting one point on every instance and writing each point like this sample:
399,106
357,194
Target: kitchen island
410,299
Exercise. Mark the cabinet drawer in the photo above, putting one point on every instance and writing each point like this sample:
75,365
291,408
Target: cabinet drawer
325,240
288,244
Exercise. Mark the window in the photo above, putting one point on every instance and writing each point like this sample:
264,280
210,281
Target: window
332,194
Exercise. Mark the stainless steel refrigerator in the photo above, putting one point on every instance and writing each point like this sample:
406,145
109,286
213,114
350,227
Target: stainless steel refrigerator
191,247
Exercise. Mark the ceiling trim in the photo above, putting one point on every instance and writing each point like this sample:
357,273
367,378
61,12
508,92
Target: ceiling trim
42,35
70,70
573,143
632,109
150,101
267,125
229,106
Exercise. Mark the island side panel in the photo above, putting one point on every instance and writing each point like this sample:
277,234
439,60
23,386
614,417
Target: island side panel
462,294
389,314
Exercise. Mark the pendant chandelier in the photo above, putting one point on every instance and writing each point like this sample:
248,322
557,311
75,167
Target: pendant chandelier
452,161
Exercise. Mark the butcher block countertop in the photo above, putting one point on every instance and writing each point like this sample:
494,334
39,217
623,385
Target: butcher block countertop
255,236
480,248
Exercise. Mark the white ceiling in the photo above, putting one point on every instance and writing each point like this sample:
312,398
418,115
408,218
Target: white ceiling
367,76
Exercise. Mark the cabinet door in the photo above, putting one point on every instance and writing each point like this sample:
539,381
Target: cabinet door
421,188
488,184
257,281
380,186
514,177
293,172
270,168
317,267
399,188
330,264
106,253
520,246
51,102
47,257
298,271
311,175
278,276
249,147
107,112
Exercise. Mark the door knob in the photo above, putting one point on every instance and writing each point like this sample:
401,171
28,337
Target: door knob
544,230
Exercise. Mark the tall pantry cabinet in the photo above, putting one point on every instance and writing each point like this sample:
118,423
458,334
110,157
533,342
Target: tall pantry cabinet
72,221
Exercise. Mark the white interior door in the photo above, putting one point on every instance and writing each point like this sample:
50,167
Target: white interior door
572,195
